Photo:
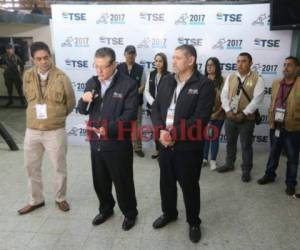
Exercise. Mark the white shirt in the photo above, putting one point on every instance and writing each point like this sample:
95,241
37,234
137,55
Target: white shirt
43,76
258,95
148,96
106,83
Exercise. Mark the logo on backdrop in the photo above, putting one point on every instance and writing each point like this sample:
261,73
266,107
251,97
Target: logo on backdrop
260,43
190,19
228,66
197,42
111,18
76,42
76,64
147,64
224,43
265,69
77,130
262,20
229,18
153,43
111,40
199,66
152,17
74,17
79,86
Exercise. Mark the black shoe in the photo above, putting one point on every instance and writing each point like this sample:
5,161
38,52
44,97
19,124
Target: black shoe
163,221
195,233
246,177
100,218
154,156
290,190
297,196
8,103
140,153
225,168
128,223
265,180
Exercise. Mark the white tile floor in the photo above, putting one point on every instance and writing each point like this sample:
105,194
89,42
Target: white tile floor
235,215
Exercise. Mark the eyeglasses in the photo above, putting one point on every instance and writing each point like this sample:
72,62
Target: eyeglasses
101,67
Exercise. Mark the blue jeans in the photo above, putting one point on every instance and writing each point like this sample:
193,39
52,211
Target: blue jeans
214,144
290,142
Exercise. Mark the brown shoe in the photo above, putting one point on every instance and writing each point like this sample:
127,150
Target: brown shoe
29,208
63,206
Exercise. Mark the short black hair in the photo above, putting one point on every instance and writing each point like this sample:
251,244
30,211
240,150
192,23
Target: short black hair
295,59
247,55
106,52
8,46
39,46
190,51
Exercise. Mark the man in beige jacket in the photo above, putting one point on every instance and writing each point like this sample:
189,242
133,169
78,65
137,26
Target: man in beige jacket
50,100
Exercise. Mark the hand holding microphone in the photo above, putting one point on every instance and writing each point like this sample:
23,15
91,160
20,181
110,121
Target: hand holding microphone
88,97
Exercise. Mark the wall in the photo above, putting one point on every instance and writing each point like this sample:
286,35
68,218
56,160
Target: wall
34,31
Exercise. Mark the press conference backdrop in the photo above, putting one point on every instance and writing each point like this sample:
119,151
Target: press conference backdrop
222,31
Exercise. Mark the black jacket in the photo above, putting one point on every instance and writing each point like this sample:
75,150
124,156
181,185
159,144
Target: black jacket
194,103
136,74
117,109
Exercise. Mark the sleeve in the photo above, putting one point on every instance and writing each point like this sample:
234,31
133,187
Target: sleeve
224,95
70,95
147,94
81,106
258,97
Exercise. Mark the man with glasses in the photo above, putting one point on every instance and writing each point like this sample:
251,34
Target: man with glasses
111,101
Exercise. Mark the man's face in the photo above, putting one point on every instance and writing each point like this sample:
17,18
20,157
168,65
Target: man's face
10,51
104,67
182,62
130,57
290,69
243,65
42,60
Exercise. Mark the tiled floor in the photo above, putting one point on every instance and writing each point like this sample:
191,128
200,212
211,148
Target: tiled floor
235,215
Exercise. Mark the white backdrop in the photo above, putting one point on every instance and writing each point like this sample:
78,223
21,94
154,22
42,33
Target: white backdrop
222,31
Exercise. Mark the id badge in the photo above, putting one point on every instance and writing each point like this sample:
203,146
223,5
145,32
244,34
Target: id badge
41,111
279,115
170,117
234,103
277,133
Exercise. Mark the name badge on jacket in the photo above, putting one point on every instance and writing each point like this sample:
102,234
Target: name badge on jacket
193,92
117,95
41,111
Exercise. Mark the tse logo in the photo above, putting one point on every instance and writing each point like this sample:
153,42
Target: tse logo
77,63
267,43
191,41
237,18
74,16
155,17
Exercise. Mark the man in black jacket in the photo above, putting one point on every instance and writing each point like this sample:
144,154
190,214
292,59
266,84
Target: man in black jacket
136,72
110,99
179,113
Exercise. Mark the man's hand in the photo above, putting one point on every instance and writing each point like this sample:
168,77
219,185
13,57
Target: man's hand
240,117
87,96
165,138
230,115
102,131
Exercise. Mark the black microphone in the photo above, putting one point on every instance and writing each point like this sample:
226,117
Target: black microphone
89,104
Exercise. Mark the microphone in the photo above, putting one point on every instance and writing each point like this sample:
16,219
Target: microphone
89,104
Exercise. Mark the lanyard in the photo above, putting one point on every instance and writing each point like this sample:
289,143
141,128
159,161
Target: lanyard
240,85
284,99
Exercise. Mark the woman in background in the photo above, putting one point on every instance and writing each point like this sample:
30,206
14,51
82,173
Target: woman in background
152,85
213,72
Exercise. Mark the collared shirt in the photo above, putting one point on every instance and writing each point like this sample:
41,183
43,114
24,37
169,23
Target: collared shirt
106,83
43,76
283,94
258,95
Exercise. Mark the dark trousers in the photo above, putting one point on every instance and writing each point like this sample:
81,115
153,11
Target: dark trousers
213,144
184,167
290,142
10,80
114,167
245,130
